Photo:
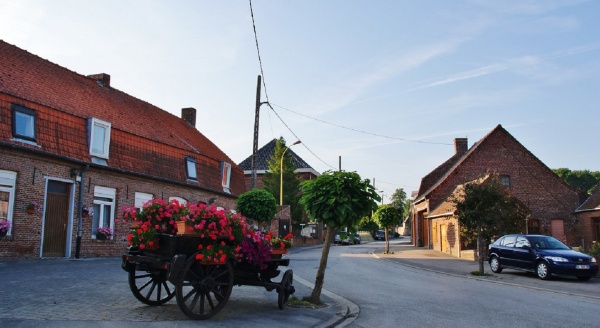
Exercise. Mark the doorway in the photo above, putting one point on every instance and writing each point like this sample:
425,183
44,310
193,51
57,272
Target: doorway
56,219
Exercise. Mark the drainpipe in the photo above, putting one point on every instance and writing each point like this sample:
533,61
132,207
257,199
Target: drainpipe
79,211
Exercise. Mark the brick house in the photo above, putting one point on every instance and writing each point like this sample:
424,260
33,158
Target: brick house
588,219
549,200
303,171
81,150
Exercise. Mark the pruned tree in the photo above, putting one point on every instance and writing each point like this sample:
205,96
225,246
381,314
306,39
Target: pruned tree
387,216
257,205
485,209
338,199
398,200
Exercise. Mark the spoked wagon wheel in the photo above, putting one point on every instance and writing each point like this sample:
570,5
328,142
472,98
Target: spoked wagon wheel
204,289
285,288
151,286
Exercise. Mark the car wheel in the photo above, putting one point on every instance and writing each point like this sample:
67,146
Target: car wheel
584,278
542,270
495,265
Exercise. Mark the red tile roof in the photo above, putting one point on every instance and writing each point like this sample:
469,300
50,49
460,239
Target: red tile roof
144,139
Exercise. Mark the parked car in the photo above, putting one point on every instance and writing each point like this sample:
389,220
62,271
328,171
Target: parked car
356,239
379,235
337,239
544,255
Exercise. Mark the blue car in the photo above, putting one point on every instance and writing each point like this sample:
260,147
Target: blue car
541,254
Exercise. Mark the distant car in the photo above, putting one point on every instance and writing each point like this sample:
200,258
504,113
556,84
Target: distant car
337,239
544,255
379,235
356,239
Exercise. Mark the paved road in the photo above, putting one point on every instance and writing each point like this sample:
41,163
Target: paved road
95,293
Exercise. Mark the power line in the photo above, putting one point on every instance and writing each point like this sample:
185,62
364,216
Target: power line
258,52
361,131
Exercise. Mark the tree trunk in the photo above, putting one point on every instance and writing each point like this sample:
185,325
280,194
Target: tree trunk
479,250
315,297
387,242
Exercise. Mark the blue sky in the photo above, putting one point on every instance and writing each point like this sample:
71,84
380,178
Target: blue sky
386,85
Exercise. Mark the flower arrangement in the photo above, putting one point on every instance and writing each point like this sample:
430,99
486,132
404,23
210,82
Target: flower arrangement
281,242
104,233
33,207
210,222
255,249
217,252
156,216
4,226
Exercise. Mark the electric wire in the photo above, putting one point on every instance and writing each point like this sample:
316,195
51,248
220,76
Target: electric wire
262,73
363,132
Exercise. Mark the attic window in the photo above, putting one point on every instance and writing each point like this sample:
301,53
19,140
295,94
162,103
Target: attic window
225,176
505,180
99,137
190,167
23,123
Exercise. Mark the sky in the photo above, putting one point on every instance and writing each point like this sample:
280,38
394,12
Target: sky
382,87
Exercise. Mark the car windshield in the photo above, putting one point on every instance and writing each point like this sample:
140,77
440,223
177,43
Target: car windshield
544,242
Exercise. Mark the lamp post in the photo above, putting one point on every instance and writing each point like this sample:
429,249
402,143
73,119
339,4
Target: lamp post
281,173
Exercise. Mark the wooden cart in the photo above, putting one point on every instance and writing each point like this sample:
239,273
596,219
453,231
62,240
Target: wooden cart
201,290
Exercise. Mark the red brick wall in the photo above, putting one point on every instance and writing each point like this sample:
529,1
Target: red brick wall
32,172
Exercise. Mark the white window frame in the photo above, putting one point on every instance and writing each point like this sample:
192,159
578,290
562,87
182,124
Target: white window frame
226,176
93,123
182,201
142,198
191,168
105,198
8,181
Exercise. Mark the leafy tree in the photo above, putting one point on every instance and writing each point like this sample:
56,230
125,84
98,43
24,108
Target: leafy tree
486,209
584,180
291,183
367,224
338,199
257,205
398,200
387,216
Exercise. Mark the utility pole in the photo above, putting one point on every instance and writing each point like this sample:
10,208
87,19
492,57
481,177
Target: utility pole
255,144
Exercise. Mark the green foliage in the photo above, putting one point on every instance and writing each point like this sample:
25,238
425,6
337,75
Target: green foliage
594,250
291,183
584,180
387,216
398,200
258,205
338,198
489,207
367,224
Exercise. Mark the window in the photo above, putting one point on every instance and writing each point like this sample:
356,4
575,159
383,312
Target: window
225,176
141,199
533,226
23,123
522,242
99,137
596,229
190,168
508,241
7,195
104,205
181,201
505,180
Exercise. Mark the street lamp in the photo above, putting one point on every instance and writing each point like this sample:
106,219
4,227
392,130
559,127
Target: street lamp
281,173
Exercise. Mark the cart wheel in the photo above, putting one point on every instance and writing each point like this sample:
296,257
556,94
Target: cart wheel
151,286
203,290
285,288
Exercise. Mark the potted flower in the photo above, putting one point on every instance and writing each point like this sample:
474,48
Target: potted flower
104,233
32,208
280,245
4,227
255,249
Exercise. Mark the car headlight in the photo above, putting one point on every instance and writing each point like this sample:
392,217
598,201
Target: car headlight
556,259
593,260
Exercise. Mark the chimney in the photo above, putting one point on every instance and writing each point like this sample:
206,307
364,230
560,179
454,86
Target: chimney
189,115
101,78
461,145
